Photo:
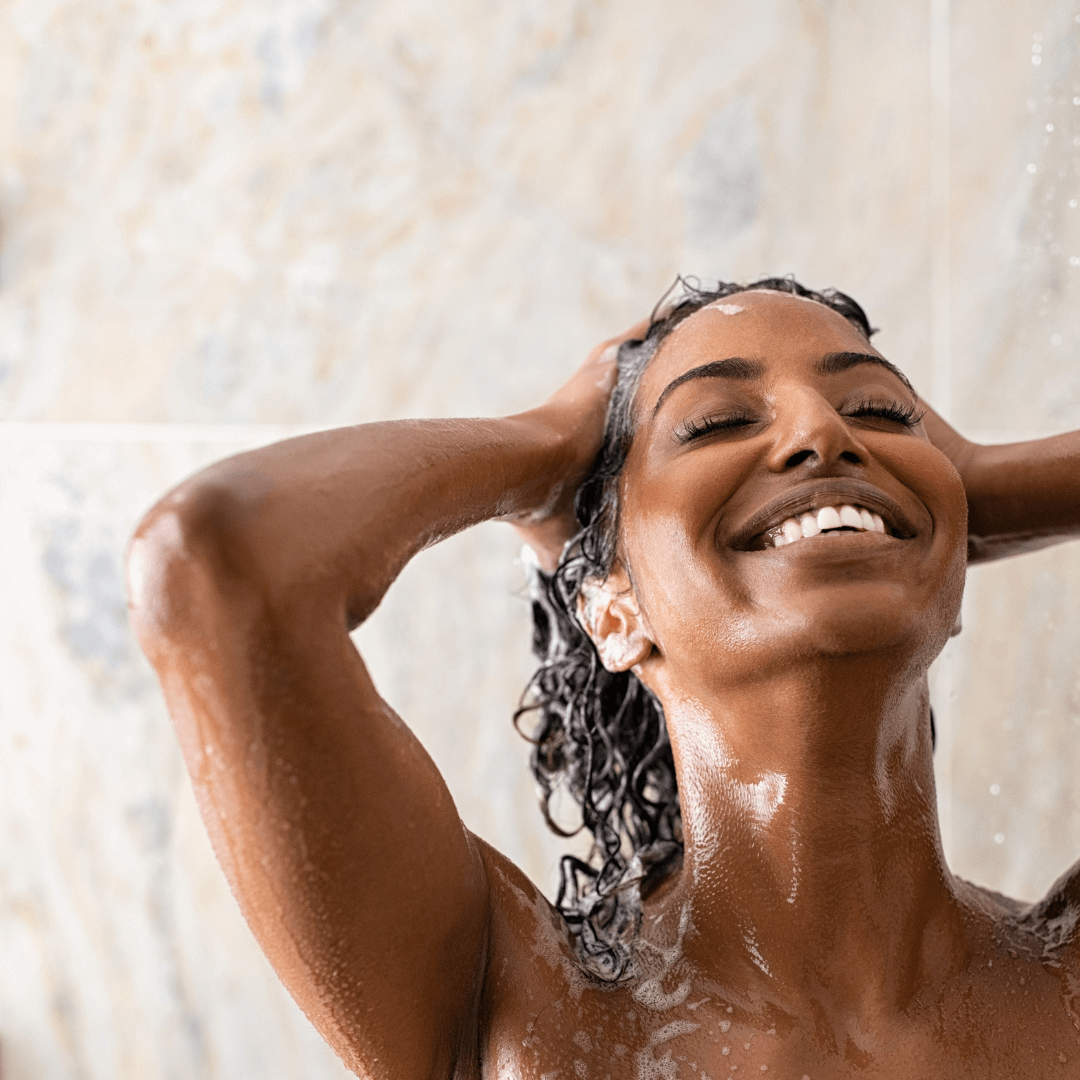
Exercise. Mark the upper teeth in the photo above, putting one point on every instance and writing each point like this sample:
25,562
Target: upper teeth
828,517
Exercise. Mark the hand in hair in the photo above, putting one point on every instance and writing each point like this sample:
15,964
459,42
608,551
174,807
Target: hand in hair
577,409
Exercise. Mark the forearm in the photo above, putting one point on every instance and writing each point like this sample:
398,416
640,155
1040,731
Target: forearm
1022,496
331,518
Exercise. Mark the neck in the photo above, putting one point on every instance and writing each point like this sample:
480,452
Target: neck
813,857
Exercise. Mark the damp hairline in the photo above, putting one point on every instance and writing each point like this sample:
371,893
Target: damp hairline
636,356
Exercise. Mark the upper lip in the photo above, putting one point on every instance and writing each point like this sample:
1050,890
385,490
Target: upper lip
813,495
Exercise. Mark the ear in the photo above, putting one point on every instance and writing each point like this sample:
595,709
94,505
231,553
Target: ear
609,613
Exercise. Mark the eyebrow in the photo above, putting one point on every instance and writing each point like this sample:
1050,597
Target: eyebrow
744,370
835,362
734,367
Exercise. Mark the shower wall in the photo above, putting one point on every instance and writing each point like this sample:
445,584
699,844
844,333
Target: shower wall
227,221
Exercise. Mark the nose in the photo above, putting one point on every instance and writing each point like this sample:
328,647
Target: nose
809,431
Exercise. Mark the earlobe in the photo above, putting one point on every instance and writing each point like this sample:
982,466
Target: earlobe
609,613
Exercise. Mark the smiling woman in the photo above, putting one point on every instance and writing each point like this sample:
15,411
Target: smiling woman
602,736
751,540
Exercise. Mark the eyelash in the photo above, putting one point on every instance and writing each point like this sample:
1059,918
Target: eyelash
689,430
907,415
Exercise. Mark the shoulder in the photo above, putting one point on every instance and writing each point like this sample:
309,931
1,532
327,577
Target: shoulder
525,925
542,1013
1055,920
532,957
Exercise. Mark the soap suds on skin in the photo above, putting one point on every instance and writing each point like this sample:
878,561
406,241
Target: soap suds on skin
607,360
548,943
648,1068
751,944
649,992
724,309
672,1030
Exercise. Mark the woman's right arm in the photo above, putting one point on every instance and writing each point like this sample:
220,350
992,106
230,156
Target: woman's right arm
336,832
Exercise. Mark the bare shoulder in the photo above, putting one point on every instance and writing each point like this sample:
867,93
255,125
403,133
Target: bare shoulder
542,1013
1055,920
530,946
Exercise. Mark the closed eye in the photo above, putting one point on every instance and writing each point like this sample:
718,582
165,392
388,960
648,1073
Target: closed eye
895,412
907,416
689,430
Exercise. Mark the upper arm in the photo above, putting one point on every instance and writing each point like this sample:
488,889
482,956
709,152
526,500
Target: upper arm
336,831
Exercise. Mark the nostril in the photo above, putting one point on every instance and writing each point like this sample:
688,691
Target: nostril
849,455
799,458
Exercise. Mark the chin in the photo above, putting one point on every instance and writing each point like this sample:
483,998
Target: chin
863,619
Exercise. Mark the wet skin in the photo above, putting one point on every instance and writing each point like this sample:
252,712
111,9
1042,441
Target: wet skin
813,928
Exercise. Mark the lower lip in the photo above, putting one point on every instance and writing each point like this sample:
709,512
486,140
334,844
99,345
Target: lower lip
840,543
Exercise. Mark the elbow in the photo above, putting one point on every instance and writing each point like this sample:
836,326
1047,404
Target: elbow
184,557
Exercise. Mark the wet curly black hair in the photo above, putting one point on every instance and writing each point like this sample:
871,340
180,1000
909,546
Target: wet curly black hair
601,736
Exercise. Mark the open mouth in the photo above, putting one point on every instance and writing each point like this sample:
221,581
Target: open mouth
824,521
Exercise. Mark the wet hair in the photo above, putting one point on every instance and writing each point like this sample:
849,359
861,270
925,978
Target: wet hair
600,736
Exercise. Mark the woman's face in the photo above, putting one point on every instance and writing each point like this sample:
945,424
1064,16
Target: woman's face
763,409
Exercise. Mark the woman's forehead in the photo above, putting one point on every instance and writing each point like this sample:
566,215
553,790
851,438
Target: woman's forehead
782,332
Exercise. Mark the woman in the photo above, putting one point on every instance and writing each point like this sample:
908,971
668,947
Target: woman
776,535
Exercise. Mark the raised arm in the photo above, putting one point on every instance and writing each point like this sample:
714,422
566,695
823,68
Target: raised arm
1021,496
337,834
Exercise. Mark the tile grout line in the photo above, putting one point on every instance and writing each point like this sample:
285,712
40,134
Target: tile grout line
122,432
941,353
940,181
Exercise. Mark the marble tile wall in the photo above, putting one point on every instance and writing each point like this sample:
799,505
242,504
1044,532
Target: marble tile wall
221,220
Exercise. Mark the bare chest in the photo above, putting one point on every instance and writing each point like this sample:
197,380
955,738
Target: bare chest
685,1029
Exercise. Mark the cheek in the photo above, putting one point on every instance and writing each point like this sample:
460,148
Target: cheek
668,532
688,593
933,478
948,503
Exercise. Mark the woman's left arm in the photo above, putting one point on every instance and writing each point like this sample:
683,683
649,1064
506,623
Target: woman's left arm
1021,496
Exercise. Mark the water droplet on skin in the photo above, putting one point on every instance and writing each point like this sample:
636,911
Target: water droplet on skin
1049,127
1072,202
1032,167
1036,59
999,838
995,789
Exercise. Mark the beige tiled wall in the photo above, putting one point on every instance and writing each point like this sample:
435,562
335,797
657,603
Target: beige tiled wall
220,220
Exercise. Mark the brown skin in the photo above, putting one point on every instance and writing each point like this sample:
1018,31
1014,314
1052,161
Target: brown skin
814,927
